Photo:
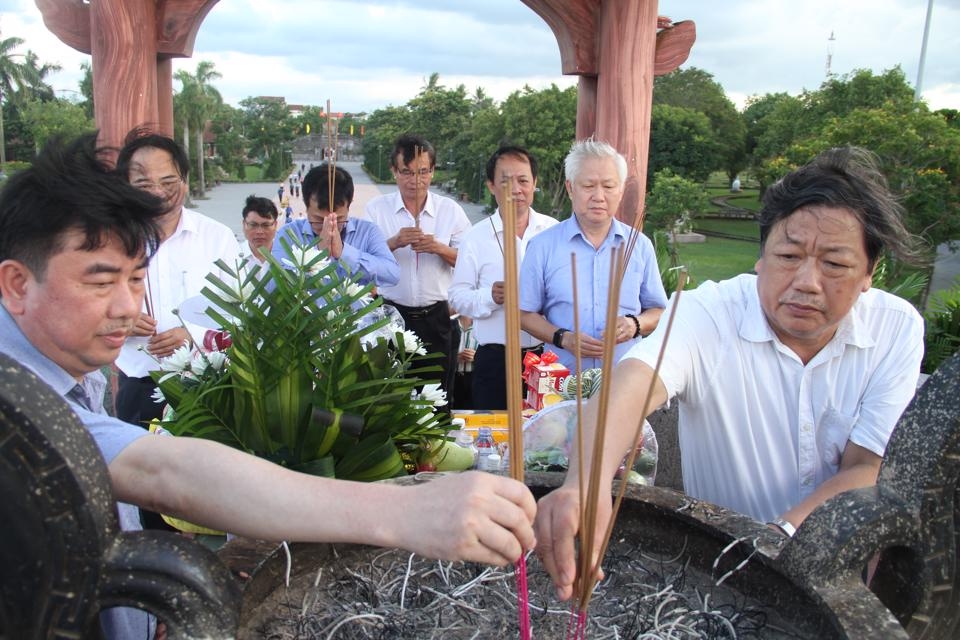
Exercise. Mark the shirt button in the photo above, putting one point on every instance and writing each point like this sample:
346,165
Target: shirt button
807,428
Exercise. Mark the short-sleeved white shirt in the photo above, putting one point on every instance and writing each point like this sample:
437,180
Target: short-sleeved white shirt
424,280
759,431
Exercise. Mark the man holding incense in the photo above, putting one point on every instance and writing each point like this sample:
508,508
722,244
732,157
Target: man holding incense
477,290
190,244
357,245
423,230
789,381
595,180
75,244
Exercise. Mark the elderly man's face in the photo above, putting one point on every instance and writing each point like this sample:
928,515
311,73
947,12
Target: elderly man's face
414,177
259,231
513,180
81,312
813,268
596,191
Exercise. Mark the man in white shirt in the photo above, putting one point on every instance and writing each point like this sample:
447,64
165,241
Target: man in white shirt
259,228
477,290
190,245
423,231
789,382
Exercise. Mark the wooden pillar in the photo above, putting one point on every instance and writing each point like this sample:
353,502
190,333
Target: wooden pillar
165,96
124,54
627,43
586,106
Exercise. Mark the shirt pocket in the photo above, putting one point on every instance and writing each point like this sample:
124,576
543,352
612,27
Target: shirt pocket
832,436
630,289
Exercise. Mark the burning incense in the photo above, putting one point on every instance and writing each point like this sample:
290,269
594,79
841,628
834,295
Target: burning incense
512,362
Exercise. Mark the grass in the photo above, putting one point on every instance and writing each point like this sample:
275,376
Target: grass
718,258
746,228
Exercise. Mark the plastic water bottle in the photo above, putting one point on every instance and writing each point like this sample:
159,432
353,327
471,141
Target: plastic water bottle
464,439
485,447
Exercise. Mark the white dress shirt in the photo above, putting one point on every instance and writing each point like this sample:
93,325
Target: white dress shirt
759,430
178,271
479,265
423,281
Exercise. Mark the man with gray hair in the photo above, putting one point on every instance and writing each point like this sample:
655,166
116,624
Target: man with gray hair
595,179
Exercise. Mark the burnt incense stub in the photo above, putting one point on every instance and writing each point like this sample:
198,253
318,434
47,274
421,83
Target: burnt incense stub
62,557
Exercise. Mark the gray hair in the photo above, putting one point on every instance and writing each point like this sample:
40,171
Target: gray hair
590,148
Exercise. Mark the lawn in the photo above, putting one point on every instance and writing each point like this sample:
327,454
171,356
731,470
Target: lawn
745,228
718,258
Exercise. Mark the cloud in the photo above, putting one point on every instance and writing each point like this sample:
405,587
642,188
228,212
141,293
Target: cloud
365,54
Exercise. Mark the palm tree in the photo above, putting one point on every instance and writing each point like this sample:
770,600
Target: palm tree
199,100
11,73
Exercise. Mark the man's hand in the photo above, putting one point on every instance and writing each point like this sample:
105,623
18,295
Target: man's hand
467,355
498,292
145,326
556,526
163,344
329,237
473,516
626,329
405,237
427,244
590,347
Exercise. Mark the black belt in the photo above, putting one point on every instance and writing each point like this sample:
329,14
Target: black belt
417,312
537,349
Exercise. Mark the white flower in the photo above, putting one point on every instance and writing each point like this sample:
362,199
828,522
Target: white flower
218,360
412,344
238,292
157,396
178,361
433,394
199,364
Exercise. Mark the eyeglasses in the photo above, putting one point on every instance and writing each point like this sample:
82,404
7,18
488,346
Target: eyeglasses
167,185
263,226
406,173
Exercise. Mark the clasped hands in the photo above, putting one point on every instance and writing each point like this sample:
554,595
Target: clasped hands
416,239
163,344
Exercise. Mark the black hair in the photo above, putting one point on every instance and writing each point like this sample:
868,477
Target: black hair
72,187
849,178
143,138
261,206
407,146
511,150
316,184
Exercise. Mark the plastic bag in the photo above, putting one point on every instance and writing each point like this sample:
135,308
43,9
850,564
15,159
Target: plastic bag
549,434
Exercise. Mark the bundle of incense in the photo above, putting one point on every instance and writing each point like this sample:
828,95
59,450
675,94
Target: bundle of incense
511,303
332,144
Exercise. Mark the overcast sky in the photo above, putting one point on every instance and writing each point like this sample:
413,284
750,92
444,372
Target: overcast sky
365,54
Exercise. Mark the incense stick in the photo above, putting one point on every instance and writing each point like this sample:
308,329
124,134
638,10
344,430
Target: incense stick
332,161
512,364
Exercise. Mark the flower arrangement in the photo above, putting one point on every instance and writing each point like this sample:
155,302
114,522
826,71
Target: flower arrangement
317,377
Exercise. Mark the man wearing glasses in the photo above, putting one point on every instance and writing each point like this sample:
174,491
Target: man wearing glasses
259,229
423,230
357,245
190,244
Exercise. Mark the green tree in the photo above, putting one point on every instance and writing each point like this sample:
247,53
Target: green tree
268,129
384,126
696,89
199,100
673,202
227,125
681,139
22,77
57,117
544,122
440,115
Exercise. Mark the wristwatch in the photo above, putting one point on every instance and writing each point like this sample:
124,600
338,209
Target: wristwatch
558,338
787,528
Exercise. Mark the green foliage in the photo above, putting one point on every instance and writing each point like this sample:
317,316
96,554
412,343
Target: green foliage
668,259
681,139
383,128
942,334
45,120
673,202
315,379
696,89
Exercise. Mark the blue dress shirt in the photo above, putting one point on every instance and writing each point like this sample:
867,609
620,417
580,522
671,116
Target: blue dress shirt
546,282
365,252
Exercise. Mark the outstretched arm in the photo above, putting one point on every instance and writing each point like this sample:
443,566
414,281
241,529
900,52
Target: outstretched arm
472,516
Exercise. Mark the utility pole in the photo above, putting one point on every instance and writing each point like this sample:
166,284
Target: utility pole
830,41
923,52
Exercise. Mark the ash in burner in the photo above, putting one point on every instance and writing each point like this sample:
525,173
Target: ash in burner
396,595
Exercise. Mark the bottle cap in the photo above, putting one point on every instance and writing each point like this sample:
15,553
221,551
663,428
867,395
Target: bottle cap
493,462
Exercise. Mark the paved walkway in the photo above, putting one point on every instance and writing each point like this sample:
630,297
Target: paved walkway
225,202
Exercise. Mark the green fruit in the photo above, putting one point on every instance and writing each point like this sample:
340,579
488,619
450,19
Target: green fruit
635,478
452,457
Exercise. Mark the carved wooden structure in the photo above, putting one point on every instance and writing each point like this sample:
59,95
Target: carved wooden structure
615,47
131,44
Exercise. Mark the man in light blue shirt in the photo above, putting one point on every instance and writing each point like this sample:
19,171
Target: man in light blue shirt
595,180
358,245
